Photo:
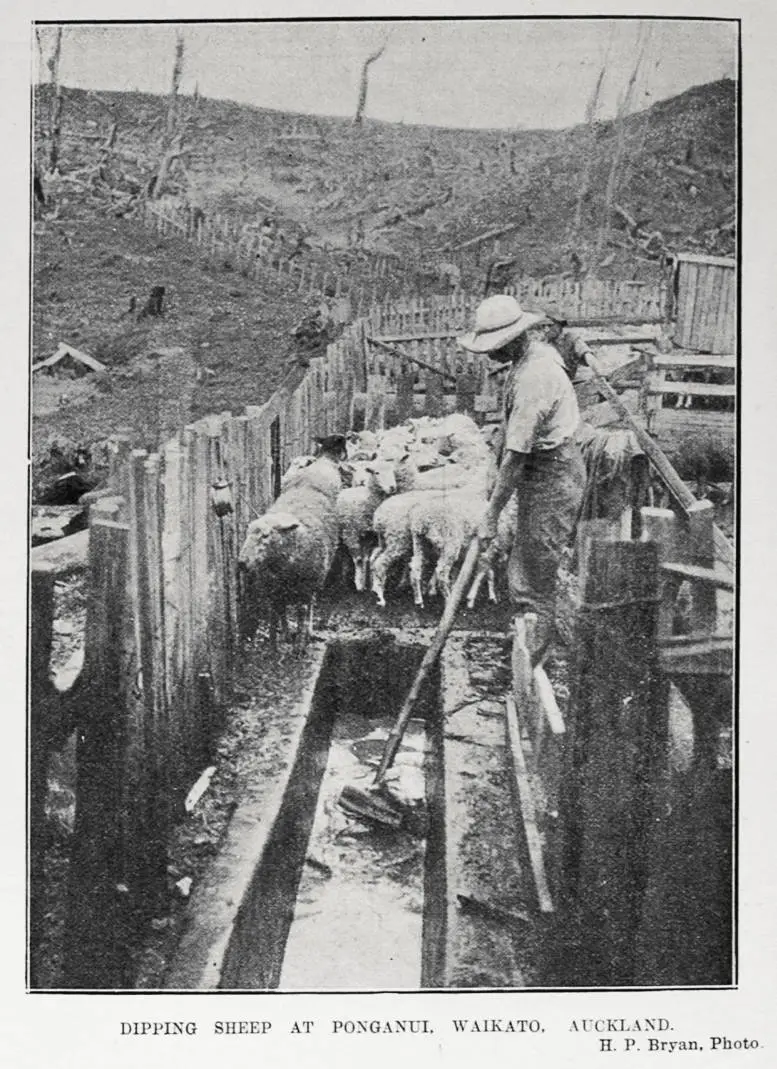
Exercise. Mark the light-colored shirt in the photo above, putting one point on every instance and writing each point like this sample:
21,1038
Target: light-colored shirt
540,406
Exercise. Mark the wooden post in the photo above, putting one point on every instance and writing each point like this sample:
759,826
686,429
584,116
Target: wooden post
701,552
97,935
661,526
616,737
42,711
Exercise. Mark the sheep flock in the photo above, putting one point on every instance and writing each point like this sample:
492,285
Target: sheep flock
402,503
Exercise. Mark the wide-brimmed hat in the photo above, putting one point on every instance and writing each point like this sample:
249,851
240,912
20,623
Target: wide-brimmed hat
498,320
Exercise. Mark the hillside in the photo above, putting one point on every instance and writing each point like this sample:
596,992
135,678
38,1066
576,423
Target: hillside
321,175
416,192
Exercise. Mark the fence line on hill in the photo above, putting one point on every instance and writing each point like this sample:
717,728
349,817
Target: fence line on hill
378,283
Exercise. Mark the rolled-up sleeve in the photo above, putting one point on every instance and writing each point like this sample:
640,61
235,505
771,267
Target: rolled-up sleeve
529,408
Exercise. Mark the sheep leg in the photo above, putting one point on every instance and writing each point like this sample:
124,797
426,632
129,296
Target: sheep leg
312,633
360,572
491,588
416,571
277,619
443,572
379,568
472,595
301,634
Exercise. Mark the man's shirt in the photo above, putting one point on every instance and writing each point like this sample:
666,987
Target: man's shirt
540,406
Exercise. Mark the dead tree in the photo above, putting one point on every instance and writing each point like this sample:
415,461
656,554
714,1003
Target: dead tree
172,106
55,125
624,107
590,116
363,84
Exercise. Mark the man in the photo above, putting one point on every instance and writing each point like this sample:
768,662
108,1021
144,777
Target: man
540,460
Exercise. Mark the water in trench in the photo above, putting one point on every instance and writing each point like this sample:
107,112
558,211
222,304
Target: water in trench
359,913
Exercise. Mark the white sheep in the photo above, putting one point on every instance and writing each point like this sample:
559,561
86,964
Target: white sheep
361,445
321,472
391,524
447,522
288,551
355,510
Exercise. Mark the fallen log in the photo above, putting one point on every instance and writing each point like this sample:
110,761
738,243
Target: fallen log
487,235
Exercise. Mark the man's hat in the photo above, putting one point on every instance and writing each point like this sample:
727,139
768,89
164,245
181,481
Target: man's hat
498,320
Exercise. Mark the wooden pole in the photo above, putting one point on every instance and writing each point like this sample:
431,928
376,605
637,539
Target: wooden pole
616,739
97,938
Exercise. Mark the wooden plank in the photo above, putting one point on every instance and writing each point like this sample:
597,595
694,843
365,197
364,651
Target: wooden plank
695,573
695,360
695,389
686,296
526,802
698,654
693,283
702,258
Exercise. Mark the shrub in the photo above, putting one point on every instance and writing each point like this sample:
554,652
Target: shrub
706,456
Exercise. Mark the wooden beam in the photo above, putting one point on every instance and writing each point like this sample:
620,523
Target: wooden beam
693,360
526,802
694,389
404,355
697,574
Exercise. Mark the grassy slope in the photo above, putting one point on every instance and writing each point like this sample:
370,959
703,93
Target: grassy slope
86,266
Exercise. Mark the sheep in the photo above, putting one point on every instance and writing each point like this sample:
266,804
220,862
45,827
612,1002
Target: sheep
361,445
355,510
497,552
321,472
288,551
470,468
391,525
399,437
447,522
297,464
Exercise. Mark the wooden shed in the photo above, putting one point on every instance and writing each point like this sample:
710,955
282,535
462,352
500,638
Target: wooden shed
705,303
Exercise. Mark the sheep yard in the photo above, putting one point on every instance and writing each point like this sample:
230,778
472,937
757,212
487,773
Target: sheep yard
228,427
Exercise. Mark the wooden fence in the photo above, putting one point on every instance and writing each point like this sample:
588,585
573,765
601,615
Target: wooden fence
163,621
675,408
624,794
161,634
706,303
219,236
587,302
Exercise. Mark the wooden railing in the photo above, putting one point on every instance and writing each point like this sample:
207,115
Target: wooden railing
691,411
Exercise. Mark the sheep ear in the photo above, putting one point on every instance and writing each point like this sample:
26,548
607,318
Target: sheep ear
371,469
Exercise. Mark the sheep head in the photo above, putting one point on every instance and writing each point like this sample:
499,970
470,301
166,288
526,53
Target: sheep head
384,475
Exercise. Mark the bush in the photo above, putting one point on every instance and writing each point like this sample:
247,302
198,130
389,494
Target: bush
706,456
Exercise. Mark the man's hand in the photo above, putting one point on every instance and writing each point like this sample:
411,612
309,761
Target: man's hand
487,528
